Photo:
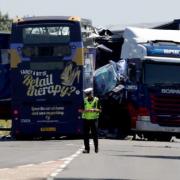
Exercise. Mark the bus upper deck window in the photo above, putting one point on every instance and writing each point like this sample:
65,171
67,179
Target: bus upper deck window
46,35
46,41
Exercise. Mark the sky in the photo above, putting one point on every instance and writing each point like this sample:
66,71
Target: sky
103,13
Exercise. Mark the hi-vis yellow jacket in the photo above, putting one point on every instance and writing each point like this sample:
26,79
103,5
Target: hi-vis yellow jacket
92,106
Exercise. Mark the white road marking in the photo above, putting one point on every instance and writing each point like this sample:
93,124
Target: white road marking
27,165
5,169
48,162
70,144
67,160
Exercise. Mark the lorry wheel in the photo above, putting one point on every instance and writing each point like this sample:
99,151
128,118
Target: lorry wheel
164,138
158,137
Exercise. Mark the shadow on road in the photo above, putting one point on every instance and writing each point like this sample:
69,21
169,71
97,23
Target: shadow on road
38,138
88,179
149,156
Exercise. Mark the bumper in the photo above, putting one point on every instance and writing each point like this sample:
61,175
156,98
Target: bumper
148,126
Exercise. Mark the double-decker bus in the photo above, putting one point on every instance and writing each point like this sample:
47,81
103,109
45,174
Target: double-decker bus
5,100
5,95
52,61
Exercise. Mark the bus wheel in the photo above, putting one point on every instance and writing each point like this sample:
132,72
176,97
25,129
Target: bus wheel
150,137
18,137
23,137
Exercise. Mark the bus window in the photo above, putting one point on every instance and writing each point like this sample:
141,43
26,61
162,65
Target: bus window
88,71
43,35
87,31
43,51
37,41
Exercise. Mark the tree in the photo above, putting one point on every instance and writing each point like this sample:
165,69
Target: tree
5,22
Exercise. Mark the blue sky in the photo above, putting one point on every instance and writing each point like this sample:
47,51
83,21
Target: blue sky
102,12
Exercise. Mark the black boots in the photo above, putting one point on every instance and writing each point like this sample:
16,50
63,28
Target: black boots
96,150
85,151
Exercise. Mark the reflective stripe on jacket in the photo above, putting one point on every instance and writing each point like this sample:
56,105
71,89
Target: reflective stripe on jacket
90,105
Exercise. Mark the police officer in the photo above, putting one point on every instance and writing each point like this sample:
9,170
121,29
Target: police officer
90,114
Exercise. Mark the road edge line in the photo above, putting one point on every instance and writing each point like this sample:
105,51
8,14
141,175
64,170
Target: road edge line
67,160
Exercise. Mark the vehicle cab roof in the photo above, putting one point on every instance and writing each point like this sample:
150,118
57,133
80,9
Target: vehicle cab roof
36,19
143,35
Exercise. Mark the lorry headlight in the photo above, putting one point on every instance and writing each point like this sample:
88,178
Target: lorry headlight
143,118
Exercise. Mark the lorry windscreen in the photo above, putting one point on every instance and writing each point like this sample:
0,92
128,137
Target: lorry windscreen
161,73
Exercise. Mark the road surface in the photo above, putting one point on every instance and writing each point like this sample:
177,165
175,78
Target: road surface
63,160
129,160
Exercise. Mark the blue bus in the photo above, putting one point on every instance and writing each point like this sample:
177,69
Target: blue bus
5,95
52,61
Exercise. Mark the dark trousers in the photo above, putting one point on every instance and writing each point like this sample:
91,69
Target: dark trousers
90,125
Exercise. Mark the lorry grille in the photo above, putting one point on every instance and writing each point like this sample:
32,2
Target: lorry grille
165,110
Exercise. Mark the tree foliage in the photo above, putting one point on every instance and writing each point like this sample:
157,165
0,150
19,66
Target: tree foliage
5,22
